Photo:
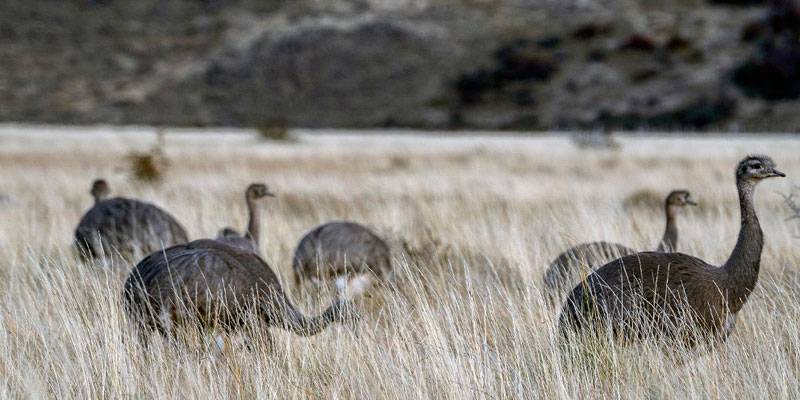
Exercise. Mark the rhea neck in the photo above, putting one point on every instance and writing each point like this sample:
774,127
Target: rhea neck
741,269
299,324
670,240
253,225
98,197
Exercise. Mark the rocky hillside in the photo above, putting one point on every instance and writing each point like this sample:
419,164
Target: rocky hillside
512,64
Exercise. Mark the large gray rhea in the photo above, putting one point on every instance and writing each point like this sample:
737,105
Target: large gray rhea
674,295
346,251
122,227
213,285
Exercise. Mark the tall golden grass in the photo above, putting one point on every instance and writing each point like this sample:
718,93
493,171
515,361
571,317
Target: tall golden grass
473,222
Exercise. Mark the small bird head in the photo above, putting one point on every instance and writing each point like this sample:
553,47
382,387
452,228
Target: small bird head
258,191
100,189
756,168
227,233
680,198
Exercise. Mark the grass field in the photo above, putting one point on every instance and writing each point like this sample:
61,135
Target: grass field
473,222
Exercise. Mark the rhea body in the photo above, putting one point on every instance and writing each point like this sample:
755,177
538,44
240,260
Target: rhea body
125,227
578,261
217,286
250,240
347,251
675,295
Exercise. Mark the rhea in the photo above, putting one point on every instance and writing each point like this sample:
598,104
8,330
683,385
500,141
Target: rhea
125,227
250,240
564,271
673,295
208,284
349,252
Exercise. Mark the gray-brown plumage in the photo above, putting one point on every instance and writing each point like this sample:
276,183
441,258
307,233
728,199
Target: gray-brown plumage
578,261
339,249
125,227
674,295
217,286
250,240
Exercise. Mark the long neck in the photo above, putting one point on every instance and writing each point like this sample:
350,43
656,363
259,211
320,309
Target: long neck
741,269
99,196
299,324
253,225
669,242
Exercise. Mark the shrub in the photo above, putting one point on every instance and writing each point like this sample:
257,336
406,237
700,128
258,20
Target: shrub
278,131
639,42
149,166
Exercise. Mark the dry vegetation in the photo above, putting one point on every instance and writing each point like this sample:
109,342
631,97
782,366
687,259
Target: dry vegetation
473,222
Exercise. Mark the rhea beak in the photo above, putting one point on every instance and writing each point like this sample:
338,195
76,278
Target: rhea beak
691,202
775,172
269,194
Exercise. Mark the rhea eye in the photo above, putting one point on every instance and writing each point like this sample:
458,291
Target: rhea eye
757,166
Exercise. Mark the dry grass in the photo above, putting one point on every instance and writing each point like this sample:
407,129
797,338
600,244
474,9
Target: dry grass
473,222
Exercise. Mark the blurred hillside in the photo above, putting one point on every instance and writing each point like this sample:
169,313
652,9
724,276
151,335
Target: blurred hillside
513,64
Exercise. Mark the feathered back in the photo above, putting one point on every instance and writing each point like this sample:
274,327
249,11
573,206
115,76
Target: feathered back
230,237
569,266
340,247
126,227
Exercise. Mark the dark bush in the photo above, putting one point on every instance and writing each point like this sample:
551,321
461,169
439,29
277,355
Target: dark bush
520,65
753,31
644,74
776,77
773,71
596,55
699,114
523,97
549,42
638,42
677,43
471,86
592,30
274,130
520,60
